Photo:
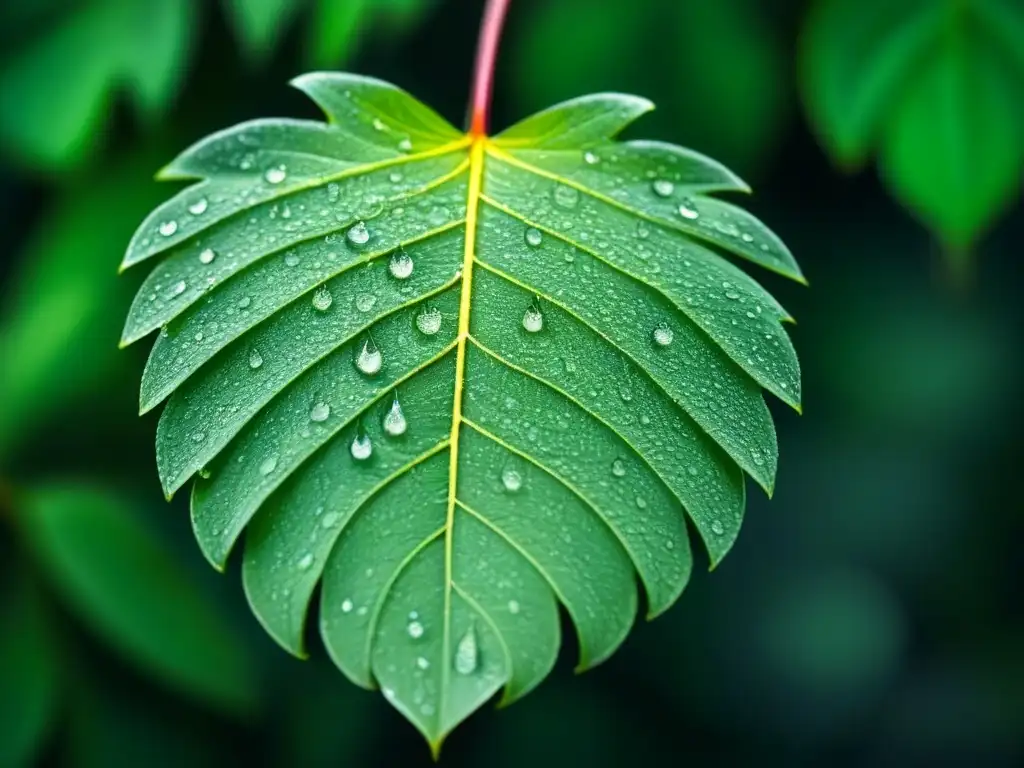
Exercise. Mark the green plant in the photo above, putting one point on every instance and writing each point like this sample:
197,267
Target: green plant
458,380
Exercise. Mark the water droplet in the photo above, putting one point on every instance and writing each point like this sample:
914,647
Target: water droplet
361,447
322,299
330,520
429,321
178,288
641,502
400,264
205,473
255,359
415,630
168,228
394,421
268,465
422,663
333,192
369,358
291,260
662,335
533,320
395,177
198,208
346,606
642,230
405,145
590,158
319,412
199,436
358,234
513,606
732,295
717,528
663,187
276,175
306,561
207,255
693,471
198,336
365,302
466,653
688,210
533,237
511,479
566,196
244,302
619,468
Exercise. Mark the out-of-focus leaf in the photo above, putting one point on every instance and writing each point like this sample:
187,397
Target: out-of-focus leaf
123,585
458,378
936,87
28,671
259,24
58,335
716,69
56,90
334,30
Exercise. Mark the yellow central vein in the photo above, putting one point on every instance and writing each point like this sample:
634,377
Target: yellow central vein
476,168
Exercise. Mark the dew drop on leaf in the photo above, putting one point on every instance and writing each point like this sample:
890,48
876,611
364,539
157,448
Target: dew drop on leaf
566,196
361,448
662,335
513,606
322,299
358,234
346,606
400,264
619,468
663,187
306,561
255,359
533,237
178,288
717,527
276,175
365,302
268,465
405,145
590,158
511,479
394,421
688,210
429,321
168,228
533,319
415,630
319,412
369,359
198,208
466,653
422,663
207,255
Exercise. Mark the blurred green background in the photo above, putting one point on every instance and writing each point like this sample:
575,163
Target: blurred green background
871,614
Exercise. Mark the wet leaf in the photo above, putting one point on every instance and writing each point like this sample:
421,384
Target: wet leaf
458,380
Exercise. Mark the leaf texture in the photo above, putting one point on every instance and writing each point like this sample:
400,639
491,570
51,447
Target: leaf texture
458,381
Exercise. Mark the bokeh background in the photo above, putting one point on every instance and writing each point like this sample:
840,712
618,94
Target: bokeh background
870,614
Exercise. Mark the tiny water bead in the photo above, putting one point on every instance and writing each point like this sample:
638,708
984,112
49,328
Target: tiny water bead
688,210
330,520
306,562
361,448
276,175
365,302
662,335
422,663
405,145
415,630
394,421
513,606
358,234
178,288
466,653
369,359
533,320
322,299
255,359
663,187
291,260
346,606
198,208
619,468
717,528
429,321
566,196
533,237
511,479
207,255
319,412
168,228
400,264
590,158
268,465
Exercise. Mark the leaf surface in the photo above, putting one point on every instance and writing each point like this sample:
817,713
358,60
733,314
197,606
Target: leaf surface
458,381
934,87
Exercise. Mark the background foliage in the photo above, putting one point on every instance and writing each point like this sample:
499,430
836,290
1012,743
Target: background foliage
869,614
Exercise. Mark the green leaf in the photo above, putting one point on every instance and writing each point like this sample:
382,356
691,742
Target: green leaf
935,88
51,113
716,67
260,23
28,672
458,380
127,589
61,307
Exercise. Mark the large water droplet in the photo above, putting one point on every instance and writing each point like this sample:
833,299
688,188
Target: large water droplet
533,319
369,358
361,447
268,465
198,208
322,299
394,420
466,653
276,175
533,236
207,255
168,228
511,479
429,321
415,630
400,264
663,187
662,335
346,606
619,468
566,196
178,288
688,210
255,359
320,411
358,234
